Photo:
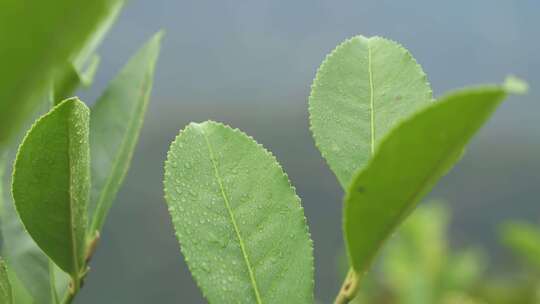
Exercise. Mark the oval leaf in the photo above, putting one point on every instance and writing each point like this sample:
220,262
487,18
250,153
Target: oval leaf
5,287
407,165
239,222
362,89
51,183
115,124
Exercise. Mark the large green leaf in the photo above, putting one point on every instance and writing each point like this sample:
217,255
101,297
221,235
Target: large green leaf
37,38
524,240
80,71
115,124
5,287
362,89
51,184
407,164
239,222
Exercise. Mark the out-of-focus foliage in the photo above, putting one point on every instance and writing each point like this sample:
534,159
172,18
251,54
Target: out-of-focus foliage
419,266
38,40
5,287
524,241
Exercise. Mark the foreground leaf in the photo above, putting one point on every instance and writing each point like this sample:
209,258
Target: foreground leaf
5,286
36,39
407,165
239,222
51,184
115,124
524,240
362,90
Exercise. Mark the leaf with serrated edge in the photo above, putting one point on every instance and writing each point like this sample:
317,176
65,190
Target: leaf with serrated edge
115,124
51,183
5,287
363,89
407,164
240,224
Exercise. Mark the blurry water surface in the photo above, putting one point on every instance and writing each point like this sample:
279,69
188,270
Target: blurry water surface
250,64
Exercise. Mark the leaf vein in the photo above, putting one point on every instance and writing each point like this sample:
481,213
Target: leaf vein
233,220
371,100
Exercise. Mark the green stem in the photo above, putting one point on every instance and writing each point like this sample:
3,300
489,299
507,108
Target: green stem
349,288
74,287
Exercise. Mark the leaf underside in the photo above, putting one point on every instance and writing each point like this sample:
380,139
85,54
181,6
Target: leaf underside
361,91
407,165
239,222
51,183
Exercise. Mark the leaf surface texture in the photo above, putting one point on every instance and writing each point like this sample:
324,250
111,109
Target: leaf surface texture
51,183
363,89
240,224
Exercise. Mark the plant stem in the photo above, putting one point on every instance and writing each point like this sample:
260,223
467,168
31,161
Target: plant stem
74,287
349,288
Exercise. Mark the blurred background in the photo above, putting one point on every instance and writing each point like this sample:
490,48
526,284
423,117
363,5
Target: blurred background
250,64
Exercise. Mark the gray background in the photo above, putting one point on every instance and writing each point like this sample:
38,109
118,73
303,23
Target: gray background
250,64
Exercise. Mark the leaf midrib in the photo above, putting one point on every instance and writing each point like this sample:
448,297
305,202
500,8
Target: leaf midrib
71,202
233,220
371,100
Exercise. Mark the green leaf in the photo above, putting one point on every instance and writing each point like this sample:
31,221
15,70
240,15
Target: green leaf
28,268
524,240
5,287
115,124
24,258
407,164
81,70
362,90
240,224
19,292
37,38
51,184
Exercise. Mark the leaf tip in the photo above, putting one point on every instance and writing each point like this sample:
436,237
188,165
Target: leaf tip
515,85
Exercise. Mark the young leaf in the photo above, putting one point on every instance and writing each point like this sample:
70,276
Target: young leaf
362,90
407,164
36,39
115,124
51,184
5,287
239,222
524,240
